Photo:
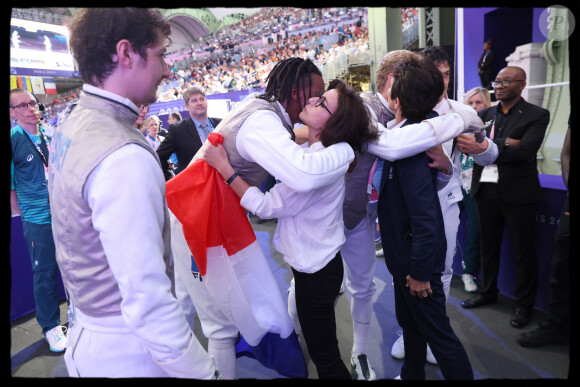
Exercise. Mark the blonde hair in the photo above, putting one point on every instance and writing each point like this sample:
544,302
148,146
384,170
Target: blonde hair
388,64
481,90
155,118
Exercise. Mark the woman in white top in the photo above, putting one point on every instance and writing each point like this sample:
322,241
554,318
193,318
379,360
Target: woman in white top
310,229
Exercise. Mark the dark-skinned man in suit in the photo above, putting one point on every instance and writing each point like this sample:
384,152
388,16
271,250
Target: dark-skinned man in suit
508,192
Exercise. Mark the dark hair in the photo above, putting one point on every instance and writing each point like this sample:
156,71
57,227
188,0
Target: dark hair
176,116
436,54
350,122
418,84
95,32
287,74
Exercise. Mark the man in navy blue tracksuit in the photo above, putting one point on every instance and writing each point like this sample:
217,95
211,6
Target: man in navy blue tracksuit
413,233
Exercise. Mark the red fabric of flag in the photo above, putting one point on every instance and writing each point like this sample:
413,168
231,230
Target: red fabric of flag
209,210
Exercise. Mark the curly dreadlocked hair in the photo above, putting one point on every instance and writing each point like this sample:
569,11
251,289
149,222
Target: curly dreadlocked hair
285,75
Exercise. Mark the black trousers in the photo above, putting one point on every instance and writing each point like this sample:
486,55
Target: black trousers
315,297
494,215
559,297
425,321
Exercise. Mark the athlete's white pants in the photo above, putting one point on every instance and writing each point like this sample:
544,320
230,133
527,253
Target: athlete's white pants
451,221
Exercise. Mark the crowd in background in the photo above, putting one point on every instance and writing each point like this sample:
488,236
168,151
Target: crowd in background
240,71
409,16
219,63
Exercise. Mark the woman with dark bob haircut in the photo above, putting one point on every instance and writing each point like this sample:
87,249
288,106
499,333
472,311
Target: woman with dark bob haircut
351,122
310,229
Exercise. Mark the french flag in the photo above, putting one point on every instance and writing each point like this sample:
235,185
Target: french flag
211,233
50,86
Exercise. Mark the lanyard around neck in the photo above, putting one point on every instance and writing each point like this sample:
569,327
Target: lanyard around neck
38,149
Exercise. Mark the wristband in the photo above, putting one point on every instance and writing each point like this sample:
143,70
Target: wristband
232,177
507,142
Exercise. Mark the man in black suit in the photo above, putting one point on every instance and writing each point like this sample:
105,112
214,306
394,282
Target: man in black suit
486,63
186,137
508,192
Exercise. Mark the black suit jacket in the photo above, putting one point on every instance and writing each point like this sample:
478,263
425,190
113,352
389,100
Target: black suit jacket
410,218
517,165
487,67
183,140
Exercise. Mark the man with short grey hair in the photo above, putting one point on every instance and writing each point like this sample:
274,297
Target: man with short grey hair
184,138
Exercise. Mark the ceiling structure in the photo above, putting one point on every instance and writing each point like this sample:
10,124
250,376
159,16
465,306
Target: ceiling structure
187,26
221,12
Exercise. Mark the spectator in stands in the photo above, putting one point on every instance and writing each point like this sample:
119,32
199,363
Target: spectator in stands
478,98
152,124
508,192
412,205
109,211
186,137
29,198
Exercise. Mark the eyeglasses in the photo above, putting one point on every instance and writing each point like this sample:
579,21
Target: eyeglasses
320,102
24,106
505,82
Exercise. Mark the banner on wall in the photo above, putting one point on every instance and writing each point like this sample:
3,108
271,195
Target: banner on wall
218,105
23,82
37,85
13,82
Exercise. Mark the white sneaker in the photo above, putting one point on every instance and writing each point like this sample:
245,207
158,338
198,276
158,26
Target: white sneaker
362,368
56,338
469,284
398,349
430,358
398,377
380,253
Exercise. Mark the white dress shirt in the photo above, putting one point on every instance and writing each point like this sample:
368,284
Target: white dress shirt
310,228
452,191
263,139
126,195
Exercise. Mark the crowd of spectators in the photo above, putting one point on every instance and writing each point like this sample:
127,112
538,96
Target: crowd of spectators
297,32
240,71
233,68
266,22
409,16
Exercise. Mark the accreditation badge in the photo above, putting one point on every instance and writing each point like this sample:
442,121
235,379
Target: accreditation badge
489,174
